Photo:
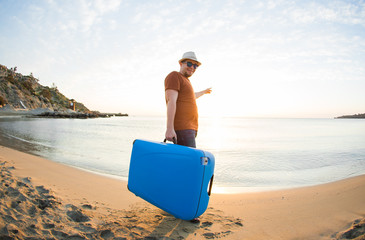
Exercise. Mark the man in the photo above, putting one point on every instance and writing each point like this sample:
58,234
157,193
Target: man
182,111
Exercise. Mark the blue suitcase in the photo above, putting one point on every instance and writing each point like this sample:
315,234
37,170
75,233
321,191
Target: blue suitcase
172,177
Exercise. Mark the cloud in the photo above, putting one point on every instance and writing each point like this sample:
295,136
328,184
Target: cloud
125,48
75,15
332,11
105,6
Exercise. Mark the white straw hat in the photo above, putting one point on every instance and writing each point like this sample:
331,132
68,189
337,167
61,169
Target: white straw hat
191,56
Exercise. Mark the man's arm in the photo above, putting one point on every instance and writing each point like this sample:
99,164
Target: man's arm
171,98
201,93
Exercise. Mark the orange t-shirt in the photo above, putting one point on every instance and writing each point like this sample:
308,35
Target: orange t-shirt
186,116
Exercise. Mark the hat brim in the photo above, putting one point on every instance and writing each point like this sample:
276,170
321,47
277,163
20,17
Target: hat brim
183,59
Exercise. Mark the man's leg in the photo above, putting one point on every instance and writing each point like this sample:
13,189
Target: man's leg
186,138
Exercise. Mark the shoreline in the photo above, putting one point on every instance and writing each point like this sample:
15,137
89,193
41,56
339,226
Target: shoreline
48,113
278,165
316,212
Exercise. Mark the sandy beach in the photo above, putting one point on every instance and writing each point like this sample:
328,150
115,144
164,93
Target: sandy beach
41,199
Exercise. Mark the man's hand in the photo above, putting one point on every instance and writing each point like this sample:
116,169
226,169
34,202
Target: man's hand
207,91
170,135
201,93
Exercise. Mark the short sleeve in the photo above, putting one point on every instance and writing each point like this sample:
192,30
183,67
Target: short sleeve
172,81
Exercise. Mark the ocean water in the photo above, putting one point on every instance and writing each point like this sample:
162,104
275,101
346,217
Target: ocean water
251,154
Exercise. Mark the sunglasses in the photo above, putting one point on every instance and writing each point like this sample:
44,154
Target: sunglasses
190,64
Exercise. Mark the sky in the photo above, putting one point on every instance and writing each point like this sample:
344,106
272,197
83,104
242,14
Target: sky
283,58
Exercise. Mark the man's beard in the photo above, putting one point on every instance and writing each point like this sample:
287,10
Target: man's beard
187,75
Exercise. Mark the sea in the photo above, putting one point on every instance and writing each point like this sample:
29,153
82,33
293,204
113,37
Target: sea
251,154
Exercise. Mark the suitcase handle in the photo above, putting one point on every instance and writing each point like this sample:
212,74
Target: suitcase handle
210,185
173,140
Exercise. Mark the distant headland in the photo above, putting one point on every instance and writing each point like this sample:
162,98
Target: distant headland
360,115
23,95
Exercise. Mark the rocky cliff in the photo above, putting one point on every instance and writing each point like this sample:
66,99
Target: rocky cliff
21,93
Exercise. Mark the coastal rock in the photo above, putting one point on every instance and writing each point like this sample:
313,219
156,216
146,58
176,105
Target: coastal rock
360,115
19,93
23,95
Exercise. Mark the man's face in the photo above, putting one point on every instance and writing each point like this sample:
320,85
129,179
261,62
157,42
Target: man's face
186,70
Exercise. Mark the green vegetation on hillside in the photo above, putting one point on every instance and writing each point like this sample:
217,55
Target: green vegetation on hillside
25,92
